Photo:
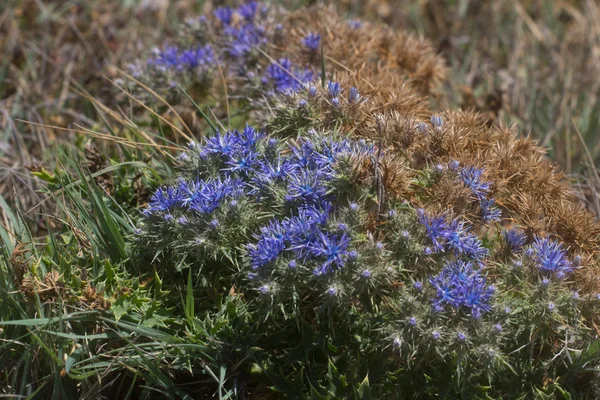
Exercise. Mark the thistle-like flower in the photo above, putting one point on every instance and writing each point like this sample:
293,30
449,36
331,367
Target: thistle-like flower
312,41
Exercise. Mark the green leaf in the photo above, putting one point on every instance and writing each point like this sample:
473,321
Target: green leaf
189,298
364,390
315,395
120,307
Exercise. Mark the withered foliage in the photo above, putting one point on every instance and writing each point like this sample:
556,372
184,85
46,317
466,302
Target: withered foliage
399,75
397,66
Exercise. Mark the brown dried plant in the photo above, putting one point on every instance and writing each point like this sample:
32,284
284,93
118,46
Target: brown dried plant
400,74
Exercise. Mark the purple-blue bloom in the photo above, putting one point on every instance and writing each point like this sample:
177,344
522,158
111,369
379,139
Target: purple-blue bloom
271,242
287,78
166,199
333,89
437,121
472,178
489,211
242,40
354,96
248,10
224,14
206,196
198,57
306,186
551,258
453,236
515,239
461,286
332,248
312,41
172,59
167,58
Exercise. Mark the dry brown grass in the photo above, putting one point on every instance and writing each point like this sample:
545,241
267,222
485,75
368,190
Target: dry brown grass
49,46
530,62
532,191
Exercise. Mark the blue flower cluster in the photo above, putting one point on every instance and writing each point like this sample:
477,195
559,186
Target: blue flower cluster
451,236
241,41
252,166
472,178
302,238
287,78
312,41
173,59
515,239
551,258
458,284
200,196
461,286
238,34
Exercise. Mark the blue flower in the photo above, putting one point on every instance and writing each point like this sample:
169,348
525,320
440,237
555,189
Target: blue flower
355,24
172,59
287,78
489,211
306,186
436,228
461,286
224,14
242,40
332,248
354,96
165,200
551,258
453,236
271,243
248,10
264,289
515,239
198,57
472,178
333,89
437,122
223,145
269,172
205,197
167,58
312,41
